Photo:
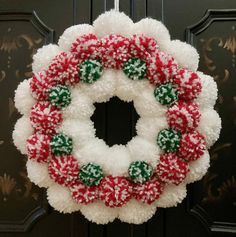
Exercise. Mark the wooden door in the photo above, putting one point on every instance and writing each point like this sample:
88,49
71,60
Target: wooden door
210,208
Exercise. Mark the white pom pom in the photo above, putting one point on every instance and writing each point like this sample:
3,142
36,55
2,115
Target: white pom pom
112,22
23,99
103,89
38,173
44,56
21,133
208,95
185,54
72,33
198,168
172,195
98,213
141,149
135,212
154,29
210,126
59,197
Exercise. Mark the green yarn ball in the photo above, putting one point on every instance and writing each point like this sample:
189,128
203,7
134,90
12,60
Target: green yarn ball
135,69
169,140
90,71
166,94
91,174
61,144
140,171
59,96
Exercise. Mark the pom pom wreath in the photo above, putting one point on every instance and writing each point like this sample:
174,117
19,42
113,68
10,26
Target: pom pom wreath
192,146
188,84
171,169
60,198
59,96
183,117
135,69
115,191
168,140
84,47
114,51
166,94
91,174
61,144
23,99
64,69
140,171
38,147
98,213
64,170
90,71
135,212
45,118
83,194
149,191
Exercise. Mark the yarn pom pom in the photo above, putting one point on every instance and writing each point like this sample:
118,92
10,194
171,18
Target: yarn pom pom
64,170
115,191
171,169
135,69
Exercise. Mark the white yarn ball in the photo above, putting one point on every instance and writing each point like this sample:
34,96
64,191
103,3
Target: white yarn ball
60,198
72,33
210,126
198,168
135,212
208,95
38,173
21,133
154,29
185,54
44,56
98,213
23,99
172,195
112,22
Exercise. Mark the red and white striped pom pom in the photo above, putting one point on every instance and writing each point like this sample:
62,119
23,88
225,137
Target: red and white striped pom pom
38,148
64,170
45,117
188,84
115,191
40,85
143,47
114,51
84,47
171,169
149,191
192,146
183,117
83,194
64,69
161,68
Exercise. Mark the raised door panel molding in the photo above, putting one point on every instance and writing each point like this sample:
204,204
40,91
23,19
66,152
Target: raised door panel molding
213,200
21,203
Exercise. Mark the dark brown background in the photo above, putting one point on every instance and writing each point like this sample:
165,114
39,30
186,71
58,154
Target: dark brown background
210,208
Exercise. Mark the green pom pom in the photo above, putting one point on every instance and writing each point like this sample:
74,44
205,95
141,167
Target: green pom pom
169,140
90,71
135,69
166,94
59,96
61,144
140,171
91,174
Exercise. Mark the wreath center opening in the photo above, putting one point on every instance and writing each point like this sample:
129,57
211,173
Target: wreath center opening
115,121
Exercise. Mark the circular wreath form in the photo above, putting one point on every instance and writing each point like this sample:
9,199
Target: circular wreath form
135,62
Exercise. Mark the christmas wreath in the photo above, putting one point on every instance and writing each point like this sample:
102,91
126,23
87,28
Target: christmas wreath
135,62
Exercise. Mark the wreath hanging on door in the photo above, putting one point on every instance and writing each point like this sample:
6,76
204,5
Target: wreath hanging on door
135,62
